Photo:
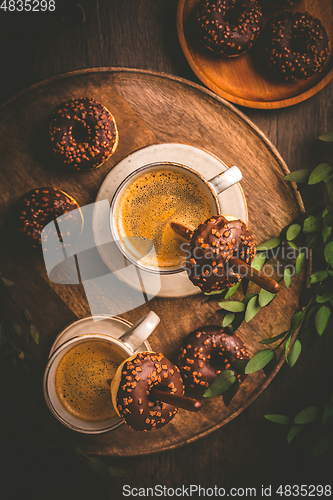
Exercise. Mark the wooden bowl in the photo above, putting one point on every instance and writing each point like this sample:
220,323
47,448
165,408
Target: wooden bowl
242,79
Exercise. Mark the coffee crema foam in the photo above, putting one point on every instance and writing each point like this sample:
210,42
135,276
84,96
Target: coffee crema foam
148,206
83,379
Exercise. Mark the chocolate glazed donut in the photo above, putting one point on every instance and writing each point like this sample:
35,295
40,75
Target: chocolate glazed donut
40,206
295,45
132,384
208,351
211,246
83,134
229,27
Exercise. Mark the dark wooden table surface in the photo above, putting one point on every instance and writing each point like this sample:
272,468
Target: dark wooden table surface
249,451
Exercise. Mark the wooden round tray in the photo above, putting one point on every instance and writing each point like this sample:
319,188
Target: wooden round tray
149,108
242,80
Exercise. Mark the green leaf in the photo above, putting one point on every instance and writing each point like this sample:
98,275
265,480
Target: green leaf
296,320
16,328
328,252
26,317
223,381
293,231
272,364
292,245
287,276
286,347
318,276
328,137
328,412
299,262
294,353
232,306
252,308
232,290
279,419
328,219
239,318
6,282
271,340
320,173
301,175
323,445
228,318
259,360
247,299
321,319
326,233
294,430
265,297
326,297
307,415
34,333
230,393
216,292
268,245
312,224
310,315
258,261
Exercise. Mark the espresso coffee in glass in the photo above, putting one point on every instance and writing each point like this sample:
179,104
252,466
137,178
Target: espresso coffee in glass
152,197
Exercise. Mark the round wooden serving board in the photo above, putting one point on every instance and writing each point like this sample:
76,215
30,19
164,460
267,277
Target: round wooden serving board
149,108
243,80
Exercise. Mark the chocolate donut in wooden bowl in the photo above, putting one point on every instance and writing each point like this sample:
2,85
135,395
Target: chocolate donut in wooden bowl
229,27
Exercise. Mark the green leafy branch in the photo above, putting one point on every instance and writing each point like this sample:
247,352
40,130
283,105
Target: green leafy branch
14,338
321,418
312,230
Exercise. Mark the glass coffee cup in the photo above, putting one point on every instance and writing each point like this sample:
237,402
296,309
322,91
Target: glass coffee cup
80,368
153,196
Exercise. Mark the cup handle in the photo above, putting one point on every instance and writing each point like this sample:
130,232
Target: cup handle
226,179
140,331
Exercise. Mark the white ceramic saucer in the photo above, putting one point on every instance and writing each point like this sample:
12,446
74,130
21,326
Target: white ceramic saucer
232,202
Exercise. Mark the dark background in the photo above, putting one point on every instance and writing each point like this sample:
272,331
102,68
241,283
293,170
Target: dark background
249,451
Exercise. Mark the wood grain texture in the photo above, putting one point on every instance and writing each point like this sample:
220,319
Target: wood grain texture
153,108
249,451
243,80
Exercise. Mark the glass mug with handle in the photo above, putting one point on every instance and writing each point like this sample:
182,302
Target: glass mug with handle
153,196
79,371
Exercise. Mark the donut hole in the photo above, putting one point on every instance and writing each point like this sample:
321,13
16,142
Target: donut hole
81,132
216,360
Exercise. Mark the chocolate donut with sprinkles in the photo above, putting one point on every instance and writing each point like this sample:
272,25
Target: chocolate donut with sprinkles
295,45
229,27
83,134
131,387
208,351
40,206
212,244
